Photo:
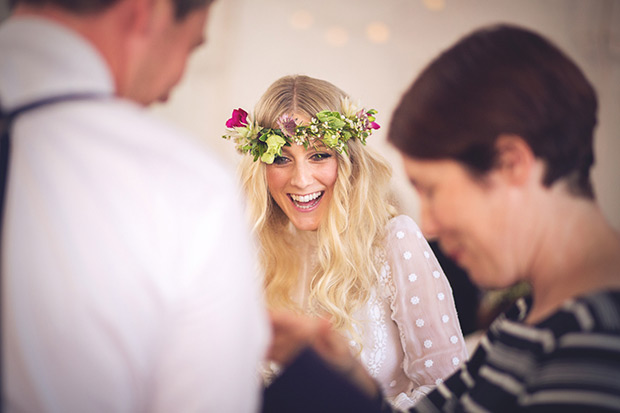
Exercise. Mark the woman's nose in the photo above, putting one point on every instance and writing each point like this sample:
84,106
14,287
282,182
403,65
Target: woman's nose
428,224
302,175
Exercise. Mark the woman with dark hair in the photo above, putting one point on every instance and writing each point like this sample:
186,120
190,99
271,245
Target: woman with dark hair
496,136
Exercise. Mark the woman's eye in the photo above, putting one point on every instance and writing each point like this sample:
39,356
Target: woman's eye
320,156
424,190
429,192
280,160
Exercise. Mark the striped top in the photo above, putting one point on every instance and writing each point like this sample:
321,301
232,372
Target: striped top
568,362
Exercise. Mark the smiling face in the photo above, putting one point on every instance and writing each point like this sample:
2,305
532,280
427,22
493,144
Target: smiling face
473,218
301,182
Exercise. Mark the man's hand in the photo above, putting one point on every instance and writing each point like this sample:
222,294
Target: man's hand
292,333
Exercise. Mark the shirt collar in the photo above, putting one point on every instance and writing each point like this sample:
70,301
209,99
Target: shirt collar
42,58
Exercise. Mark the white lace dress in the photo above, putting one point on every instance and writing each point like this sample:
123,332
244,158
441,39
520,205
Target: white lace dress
411,337
411,334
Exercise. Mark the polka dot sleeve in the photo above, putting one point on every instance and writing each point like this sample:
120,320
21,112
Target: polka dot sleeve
423,308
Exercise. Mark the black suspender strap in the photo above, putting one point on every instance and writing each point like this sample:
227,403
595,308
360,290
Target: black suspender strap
5,124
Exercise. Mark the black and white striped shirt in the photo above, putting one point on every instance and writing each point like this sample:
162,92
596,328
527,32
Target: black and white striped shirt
568,362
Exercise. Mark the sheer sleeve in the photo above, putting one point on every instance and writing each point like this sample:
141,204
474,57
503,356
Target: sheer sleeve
423,309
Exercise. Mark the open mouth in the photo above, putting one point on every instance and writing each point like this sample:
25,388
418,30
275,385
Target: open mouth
307,201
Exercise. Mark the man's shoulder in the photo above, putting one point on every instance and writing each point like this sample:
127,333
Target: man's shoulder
119,141
152,140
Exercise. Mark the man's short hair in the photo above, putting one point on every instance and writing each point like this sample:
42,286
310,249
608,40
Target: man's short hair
181,7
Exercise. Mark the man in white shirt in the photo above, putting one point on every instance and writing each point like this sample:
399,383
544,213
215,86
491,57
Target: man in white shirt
128,278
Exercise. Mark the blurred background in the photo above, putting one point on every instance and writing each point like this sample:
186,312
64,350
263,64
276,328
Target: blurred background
373,50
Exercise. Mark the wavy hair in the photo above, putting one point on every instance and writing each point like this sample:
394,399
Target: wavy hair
350,233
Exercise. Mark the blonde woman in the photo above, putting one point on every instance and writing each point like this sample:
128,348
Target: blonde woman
331,244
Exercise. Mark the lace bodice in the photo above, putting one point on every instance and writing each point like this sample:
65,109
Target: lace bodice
411,334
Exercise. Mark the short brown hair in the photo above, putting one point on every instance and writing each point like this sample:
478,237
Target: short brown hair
501,80
181,7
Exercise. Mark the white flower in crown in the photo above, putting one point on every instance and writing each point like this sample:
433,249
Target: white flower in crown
247,132
349,109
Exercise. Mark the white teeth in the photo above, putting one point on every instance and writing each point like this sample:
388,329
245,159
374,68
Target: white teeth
306,198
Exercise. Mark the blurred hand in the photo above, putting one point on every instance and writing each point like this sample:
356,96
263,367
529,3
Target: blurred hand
292,333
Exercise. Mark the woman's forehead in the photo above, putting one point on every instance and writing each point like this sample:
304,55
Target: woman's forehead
301,118
313,146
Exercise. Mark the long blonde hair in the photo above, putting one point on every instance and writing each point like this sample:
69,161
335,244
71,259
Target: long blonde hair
350,234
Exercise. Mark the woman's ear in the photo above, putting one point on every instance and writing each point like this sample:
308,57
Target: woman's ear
515,159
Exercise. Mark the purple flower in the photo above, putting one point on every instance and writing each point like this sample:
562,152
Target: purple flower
239,118
374,125
287,125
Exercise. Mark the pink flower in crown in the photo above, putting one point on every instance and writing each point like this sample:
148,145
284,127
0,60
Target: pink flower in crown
239,119
366,117
363,118
287,125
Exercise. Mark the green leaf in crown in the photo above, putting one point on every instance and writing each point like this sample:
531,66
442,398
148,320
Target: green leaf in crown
333,129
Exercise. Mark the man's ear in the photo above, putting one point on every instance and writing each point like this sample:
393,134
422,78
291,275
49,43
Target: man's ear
147,18
161,15
515,159
139,17
135,18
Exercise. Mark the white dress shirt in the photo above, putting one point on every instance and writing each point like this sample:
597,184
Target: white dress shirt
129,280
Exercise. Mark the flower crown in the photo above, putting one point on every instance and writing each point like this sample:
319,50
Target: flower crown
333,129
